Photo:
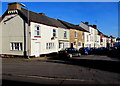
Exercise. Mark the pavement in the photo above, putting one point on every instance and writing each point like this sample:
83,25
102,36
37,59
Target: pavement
52,71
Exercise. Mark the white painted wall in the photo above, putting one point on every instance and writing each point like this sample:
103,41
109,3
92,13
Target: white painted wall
103,44
12,31
92,36
97,43
86,43
46,35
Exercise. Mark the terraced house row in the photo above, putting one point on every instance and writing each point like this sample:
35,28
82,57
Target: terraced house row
28,33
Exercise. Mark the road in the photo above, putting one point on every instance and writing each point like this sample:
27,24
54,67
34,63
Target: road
79,70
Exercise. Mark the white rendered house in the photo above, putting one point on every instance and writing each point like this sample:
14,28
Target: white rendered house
31,35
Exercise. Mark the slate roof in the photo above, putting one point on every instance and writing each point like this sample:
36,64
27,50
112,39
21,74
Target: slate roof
118,39
36,17
72,26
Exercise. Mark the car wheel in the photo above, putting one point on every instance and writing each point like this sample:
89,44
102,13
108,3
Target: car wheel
79,54
70,55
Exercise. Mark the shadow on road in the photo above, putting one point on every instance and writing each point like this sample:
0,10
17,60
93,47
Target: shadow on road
111,66
20,83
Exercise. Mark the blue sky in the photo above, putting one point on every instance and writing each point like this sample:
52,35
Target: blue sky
104,14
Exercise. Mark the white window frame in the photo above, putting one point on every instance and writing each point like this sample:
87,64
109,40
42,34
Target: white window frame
50,45
65,34
87,38
54,33
16,46
36,31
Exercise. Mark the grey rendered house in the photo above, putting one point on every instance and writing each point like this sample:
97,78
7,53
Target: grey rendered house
63,38
39,35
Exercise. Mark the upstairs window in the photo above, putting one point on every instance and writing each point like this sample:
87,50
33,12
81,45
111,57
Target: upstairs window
91,31
54,32
83,36
65,34
37,31
87,38
75,34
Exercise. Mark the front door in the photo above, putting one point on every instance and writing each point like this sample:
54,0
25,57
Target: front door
37,49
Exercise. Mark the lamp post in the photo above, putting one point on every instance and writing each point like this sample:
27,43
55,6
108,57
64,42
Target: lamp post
27,29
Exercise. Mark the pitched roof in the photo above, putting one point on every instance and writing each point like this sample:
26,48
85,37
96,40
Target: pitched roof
71,26
36,17
118,39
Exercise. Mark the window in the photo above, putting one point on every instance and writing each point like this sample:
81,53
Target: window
65,34
91,38
49,45
83,36
101,40
16,46
74,43
75,33
79,43
60,44
37,31
54,32
87,38
46,45
91,31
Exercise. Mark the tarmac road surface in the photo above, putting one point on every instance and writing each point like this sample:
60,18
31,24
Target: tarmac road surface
59,72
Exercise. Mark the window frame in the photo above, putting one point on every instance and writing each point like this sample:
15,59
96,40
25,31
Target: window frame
16,46
36,31
65,34
50,45
54,33
75,34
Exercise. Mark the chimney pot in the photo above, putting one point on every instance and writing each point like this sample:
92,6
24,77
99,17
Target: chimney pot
87,23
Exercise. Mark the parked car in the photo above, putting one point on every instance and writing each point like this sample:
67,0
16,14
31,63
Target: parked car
100,51
69,53
85,51
114,52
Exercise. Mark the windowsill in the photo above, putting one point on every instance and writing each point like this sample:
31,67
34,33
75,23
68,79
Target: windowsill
75,37
37,36
65,37
15,50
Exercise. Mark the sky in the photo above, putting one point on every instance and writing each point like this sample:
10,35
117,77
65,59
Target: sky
104,14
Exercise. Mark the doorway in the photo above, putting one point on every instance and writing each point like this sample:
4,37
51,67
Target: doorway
37,49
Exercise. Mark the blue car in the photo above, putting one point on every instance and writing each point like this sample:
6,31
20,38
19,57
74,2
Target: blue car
85,51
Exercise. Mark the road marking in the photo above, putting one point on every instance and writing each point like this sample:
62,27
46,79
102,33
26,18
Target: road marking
51,78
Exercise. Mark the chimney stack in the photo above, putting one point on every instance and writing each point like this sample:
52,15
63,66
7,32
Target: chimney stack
42,14
95,26
14,6
87,23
